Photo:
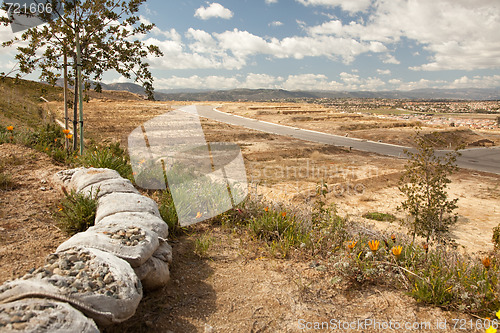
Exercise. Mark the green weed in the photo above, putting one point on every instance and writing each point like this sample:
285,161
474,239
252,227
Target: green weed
380,217
76,213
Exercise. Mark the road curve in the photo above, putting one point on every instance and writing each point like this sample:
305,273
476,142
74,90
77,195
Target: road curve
479,159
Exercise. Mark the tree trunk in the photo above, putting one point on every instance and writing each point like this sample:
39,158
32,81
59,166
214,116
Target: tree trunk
75,116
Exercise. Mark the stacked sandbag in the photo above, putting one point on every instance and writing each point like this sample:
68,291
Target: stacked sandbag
99,284
97,272
127,224
33,315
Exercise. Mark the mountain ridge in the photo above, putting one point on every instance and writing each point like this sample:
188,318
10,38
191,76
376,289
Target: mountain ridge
256,95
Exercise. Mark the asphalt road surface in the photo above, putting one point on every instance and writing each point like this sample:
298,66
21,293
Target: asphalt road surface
480,159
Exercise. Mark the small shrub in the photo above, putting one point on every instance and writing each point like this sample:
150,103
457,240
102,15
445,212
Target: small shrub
6,182
76,212
168,213
380,217
111,157
281,230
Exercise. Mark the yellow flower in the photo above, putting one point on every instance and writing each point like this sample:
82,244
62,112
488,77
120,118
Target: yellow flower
69,136
396,251
142,161
498,314
66,131
351,245
198,215
10,128
486,262
60,208
374,244
491,330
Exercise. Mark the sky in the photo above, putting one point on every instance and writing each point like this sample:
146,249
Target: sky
343,45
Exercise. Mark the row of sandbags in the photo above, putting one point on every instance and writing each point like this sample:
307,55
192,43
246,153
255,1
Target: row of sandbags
100,272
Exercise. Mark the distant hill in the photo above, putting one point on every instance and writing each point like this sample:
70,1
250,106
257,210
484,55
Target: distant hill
257,95
279,94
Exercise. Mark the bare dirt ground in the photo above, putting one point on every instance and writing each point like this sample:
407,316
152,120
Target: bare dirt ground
233,289
360,125
27,230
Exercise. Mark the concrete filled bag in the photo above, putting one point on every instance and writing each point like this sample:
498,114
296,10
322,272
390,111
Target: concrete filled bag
99,284
155,272
85,177
134,244
138,219
105,187
38,315
125,202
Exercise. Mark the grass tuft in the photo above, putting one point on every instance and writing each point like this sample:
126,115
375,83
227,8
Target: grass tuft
76,213
380,217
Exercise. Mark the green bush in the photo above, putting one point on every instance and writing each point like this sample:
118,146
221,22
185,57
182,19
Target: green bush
110,156
76,212
380,217
280,230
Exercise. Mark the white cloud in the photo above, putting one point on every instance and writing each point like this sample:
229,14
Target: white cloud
384,71
215,10
276,24
477,81
346,82
349,5
196,82
271,1
459,35
262,81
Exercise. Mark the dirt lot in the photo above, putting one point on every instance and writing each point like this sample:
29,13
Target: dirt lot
232,289
362,125
286,169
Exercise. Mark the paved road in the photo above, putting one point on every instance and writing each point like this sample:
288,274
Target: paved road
480,159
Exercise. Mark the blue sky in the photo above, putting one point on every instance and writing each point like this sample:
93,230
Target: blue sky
320,44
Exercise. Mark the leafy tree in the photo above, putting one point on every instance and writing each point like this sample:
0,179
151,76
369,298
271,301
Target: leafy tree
424,185
107,30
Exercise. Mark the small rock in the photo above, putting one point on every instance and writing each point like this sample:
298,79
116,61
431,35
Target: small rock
19,326
43,188
108,278
73,258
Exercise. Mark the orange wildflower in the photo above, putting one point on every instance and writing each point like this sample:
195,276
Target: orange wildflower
10,128
198,215
374,244
396,251
486,262
66,131
283,214
351,245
